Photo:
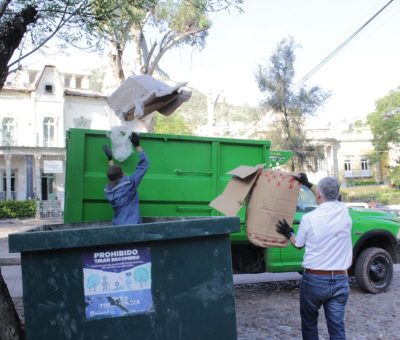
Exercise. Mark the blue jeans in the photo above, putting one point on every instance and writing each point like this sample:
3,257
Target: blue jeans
332,292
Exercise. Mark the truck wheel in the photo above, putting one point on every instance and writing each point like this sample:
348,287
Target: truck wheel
374,270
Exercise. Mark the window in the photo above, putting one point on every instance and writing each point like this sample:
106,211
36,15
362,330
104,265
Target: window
67,81
78,82
32,76
347,165
48,131
48,88
364,164
8,132
306,200
3,194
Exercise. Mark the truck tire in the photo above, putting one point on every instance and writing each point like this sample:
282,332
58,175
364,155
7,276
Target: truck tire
374,270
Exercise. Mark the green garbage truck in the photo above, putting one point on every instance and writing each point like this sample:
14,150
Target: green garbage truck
188,172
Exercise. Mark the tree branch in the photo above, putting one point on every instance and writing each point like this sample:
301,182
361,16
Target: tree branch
173,40
3,6
61,23
211,8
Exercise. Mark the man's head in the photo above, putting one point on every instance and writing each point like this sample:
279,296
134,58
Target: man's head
328,189
114,173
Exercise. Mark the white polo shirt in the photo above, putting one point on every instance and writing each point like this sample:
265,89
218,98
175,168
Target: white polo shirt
326,234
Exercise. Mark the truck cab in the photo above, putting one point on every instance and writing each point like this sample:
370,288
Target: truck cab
375,239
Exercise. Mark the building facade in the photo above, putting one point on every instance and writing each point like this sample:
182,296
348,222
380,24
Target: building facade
37,108
347,155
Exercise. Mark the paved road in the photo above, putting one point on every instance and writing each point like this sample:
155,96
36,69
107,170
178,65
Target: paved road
9,262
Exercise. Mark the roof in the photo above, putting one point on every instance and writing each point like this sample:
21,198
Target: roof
83,93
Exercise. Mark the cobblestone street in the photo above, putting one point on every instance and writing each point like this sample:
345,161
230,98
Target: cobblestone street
271,311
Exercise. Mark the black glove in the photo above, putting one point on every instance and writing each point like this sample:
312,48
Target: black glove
282,227
302,178
108,152
134,138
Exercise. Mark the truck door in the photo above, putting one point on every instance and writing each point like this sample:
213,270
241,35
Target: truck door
292,257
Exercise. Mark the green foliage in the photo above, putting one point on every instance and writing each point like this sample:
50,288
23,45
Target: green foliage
394,175
17,209
174,124
159,25
71,21
371,194
288,104
385,123
361,182
384,197
195,110
357,126
97,79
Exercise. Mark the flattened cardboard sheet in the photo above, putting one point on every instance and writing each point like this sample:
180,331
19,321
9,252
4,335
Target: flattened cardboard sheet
235,193
244,171
274,197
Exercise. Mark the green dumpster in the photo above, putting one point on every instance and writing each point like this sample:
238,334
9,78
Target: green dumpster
165,279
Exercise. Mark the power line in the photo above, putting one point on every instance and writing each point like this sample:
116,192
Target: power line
337,49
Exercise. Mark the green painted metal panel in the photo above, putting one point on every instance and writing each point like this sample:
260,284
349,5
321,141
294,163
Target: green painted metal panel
185,173
74,176
189,300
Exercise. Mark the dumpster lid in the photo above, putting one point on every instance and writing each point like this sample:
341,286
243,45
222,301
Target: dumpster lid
87,234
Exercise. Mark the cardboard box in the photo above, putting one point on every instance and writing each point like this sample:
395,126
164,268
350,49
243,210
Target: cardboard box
271,196
138,96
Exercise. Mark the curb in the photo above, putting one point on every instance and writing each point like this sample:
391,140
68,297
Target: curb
11,261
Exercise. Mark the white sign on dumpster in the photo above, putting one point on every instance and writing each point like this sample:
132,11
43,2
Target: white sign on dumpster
117,282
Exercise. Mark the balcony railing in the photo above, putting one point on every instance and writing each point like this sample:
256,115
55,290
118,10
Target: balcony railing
49,209
357,173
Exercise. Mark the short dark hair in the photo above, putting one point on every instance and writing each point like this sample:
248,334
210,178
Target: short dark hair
114,172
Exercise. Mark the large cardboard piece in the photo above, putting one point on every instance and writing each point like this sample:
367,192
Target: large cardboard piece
138,96
232,199
271,195
274,197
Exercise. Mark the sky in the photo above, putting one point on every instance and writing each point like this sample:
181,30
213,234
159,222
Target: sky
366,69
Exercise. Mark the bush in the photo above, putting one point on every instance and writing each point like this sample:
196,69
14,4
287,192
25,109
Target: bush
361,182
372,194
17,209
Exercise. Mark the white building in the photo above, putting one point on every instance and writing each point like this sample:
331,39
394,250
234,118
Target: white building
37,108
347,155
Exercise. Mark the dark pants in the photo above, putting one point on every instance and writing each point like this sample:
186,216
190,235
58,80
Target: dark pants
330,291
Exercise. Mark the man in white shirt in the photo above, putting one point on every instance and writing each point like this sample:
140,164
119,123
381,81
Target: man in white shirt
326,234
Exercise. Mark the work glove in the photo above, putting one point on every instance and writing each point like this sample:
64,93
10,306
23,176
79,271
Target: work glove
283,228
134,138
302,179
108,152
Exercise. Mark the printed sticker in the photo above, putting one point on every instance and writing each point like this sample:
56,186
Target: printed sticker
117,282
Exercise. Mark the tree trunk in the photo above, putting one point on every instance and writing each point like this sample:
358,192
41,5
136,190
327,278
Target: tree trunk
10,324
11,34
115,55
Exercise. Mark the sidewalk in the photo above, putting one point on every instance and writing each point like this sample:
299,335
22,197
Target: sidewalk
11,226
10,262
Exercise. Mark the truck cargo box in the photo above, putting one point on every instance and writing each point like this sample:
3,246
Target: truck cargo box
186,173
